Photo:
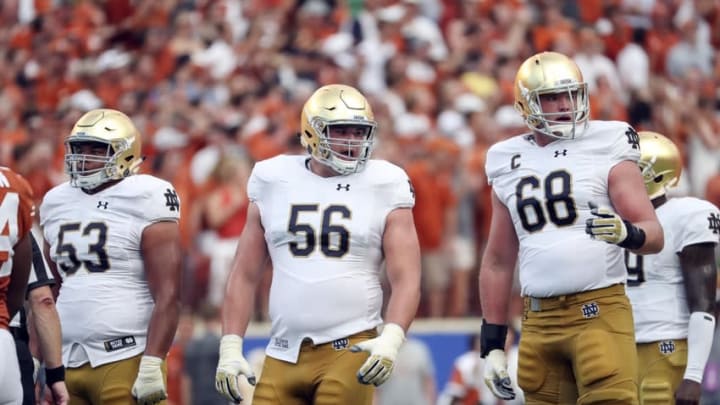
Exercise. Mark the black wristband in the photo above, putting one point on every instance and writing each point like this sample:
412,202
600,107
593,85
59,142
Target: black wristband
492,336
53,375
635,237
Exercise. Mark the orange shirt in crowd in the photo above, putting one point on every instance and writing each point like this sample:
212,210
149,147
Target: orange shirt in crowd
433,197
234,225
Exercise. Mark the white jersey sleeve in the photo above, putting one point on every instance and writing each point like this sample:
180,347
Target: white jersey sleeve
95,242
655,282
547,191
700,223
324,236
158,201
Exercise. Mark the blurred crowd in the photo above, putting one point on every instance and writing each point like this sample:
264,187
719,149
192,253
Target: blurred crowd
215,85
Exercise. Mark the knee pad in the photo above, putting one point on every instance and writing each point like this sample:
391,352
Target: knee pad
656,392
595,357
531,371
610,396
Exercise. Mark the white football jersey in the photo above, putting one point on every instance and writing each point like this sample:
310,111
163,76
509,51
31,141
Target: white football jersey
655,282
105,303
324,236
547,191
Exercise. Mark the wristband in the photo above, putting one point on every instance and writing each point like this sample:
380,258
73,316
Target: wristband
635,237
53,375
492,336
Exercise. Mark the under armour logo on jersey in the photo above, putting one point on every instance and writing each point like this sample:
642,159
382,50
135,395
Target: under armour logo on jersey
340,343
345,187
171,200
102,204
714,223
561,153
666,346
590,310
633,138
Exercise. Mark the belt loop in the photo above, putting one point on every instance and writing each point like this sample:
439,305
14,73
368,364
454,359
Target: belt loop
535,304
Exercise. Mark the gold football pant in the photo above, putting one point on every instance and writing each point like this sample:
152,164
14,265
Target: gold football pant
661,368
324,374
579,348
109,384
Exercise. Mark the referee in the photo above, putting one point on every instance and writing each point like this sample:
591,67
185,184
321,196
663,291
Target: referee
45,321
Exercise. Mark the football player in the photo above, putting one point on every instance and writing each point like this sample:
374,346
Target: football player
673,292
327,222
569,177
16,214
112,237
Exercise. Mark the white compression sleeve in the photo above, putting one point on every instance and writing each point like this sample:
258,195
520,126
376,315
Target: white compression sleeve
701,329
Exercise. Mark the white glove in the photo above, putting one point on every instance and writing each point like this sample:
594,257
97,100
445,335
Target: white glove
496,375
149,386
231,365
383,351
608,226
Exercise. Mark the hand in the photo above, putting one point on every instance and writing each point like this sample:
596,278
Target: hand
231,365
383,351
688,393
608,226
496,375
149,386
57,394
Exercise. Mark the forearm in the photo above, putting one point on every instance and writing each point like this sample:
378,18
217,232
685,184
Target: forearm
701,328
46,322
162,327
495,290
403,303
238,304
654,237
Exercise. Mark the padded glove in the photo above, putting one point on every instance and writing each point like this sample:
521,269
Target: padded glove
496,375
383,351
231,366
609,227
149,386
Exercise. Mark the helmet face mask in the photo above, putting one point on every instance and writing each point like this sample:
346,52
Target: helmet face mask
89,162
338,128
103,146
660,163
549,73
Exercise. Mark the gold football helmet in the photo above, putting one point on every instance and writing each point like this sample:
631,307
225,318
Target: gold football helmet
122,143
546,73
337,104
660,163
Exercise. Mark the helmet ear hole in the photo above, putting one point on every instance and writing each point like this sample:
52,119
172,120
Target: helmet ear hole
658,179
